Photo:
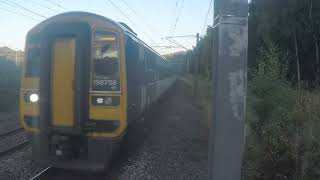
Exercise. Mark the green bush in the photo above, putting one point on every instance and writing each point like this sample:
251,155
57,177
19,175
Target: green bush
9,85
284,131
274,129
283,137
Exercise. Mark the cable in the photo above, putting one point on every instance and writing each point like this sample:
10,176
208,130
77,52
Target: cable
138,16
182,36
17,13
9,2
56,4
205,22
124,14
176,43
121,12
166,47
177,19
43,6
177,2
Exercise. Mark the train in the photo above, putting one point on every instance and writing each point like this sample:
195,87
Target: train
85,80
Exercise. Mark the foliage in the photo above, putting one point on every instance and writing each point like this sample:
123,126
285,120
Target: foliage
270,65
203,54
9,84
271,104
283,138
282,22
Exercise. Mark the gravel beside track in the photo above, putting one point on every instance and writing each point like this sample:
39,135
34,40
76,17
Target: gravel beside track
15,165
168,148
12,139
18,166
9,125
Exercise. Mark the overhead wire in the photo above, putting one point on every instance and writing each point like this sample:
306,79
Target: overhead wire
205,21
175,25
43,6
177,2
176,43
11,3
184,47
174,14
56,4
17,13
126,16
177,18
138,16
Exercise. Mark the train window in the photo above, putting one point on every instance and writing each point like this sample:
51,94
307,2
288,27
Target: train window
106,69
151,60
33,62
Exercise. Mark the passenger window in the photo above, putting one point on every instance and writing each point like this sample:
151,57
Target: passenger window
33,62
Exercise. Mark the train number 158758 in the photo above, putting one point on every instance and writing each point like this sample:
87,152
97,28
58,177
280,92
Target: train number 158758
108,82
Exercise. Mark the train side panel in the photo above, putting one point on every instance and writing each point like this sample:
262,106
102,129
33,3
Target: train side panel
148,77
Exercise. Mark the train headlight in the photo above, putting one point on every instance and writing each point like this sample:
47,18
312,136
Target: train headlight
31,97
34,97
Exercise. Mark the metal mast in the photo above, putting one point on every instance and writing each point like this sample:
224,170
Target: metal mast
230,43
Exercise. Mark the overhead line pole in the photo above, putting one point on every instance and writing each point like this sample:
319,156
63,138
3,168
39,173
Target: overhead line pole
229,59
196,70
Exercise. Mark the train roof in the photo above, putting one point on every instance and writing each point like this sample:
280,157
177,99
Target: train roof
124,27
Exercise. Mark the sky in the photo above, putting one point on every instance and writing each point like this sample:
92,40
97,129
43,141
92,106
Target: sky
152,20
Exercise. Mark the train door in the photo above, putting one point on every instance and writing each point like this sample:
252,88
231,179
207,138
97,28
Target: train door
65,77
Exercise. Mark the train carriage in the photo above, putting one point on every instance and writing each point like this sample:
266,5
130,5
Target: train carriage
85,80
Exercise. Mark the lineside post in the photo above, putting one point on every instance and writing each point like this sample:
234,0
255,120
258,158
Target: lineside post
196,69
229,62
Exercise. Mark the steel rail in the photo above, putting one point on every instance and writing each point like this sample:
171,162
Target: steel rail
11,131
44,174
14,147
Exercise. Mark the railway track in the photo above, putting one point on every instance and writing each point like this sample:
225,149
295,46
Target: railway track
11,131
45,174
5,139
14,147
8,126
53,173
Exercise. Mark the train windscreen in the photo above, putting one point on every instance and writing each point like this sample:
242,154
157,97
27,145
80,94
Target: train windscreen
105,76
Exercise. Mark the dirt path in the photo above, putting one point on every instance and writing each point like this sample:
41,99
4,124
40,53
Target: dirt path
176,145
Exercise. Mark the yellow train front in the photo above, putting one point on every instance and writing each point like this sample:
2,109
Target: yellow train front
85,80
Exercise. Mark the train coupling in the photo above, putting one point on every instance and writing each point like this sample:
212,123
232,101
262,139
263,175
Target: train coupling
62,146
